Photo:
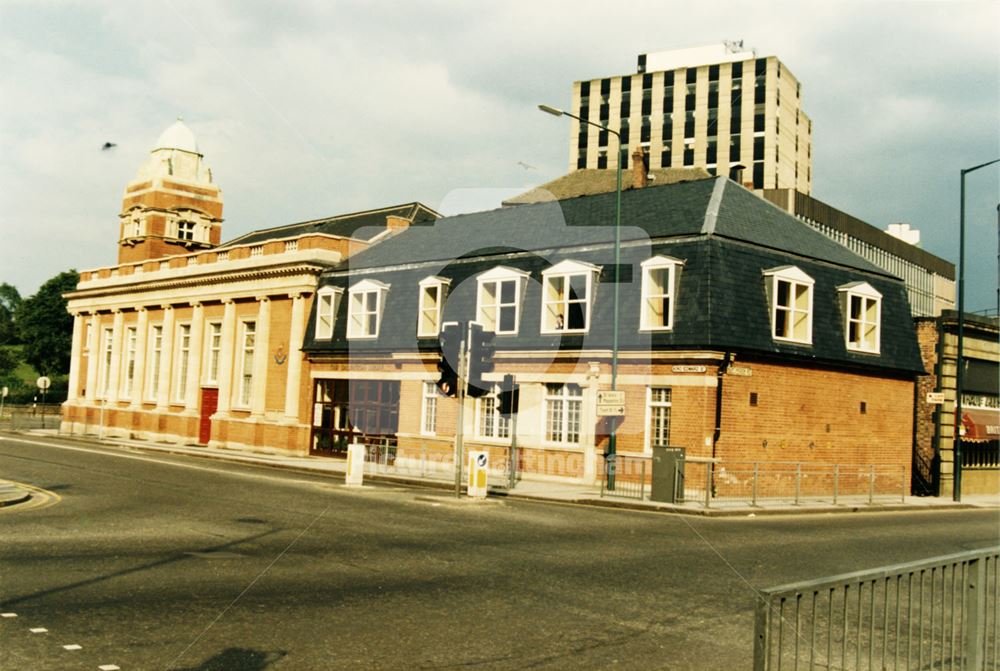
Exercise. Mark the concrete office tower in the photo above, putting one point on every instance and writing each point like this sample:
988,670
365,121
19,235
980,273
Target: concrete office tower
714,107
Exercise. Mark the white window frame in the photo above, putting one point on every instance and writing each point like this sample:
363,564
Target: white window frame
796,279
489,310
213,351
183,361
490,405
563,400
867,295
658,263
429,395
248,354
651,407
358,309
327,303
154,360
128,361
187,230
556,306
431,326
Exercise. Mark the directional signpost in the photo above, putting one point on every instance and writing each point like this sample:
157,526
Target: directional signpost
44,383
611,403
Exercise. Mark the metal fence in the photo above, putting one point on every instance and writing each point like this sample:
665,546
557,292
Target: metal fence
719,482
383,456
929,615
32,416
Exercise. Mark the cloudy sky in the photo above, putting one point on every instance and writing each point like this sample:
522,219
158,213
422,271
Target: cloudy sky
306,109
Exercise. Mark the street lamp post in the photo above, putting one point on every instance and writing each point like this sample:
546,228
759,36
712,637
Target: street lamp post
612,439
960,364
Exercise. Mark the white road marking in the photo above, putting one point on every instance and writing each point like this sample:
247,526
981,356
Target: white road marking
38,630
8,614
109,452
73,646
109,667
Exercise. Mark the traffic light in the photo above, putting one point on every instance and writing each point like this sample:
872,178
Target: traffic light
451,346
509,397
480,360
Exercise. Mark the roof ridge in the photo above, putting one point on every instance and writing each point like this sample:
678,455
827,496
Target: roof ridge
712,211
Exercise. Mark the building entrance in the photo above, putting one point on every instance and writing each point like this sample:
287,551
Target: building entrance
347,411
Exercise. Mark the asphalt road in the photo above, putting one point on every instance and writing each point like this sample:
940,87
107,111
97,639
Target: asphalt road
160,562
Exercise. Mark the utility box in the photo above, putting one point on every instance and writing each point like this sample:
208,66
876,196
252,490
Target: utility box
668,475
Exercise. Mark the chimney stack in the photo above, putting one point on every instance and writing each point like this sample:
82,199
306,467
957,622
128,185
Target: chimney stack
640,171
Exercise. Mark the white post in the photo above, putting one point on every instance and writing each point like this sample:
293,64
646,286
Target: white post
114,374
166,359
74,361
226,359
141,342
194,359
93,357
294,373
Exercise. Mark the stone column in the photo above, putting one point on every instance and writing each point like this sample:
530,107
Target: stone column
141,342
166,359
294,372
261,355
114,372
226,359
194,360
93,357
76,352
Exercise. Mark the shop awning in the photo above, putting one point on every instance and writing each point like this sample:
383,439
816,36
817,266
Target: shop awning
980,425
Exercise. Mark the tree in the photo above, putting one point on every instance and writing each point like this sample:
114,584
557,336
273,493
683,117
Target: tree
10,301
45,327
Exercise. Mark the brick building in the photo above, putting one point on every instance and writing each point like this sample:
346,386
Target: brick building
744,334
934,406
191,341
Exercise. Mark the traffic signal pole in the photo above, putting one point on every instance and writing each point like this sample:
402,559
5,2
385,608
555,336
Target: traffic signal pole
463,365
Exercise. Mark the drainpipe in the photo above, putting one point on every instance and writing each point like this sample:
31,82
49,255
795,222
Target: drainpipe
726,361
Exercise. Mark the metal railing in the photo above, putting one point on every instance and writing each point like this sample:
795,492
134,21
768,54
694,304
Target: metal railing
719,482
935,614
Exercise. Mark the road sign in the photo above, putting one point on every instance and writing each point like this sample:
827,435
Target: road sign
4,392
611,398
740,371
611,410
935,397
479,464
689,369
44,383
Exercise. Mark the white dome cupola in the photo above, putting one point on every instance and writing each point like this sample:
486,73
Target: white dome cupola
177,136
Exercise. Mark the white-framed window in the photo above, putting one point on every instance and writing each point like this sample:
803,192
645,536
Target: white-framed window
107,341
490,424
213,346
658,402
563,410
790,297
498,304
128,362
327,302
181,363
433,292
659,279
154,359
428,409
248,340
862,307
365,304
186,230
133,227
567,297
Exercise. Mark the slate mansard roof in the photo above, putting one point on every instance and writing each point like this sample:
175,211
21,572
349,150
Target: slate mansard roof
725,236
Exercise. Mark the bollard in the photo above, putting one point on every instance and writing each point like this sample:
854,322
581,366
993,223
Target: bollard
479,463
355,473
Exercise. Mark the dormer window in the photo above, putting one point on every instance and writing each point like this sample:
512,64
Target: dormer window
433,291
327,301
567,290
790,297
862,308
498,307
365,305
659,277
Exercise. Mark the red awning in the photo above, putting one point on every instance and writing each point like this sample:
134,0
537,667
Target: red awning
980,425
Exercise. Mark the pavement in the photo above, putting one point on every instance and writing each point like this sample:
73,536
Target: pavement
546,490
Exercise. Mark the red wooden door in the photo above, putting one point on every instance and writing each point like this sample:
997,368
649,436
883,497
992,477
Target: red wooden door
209,403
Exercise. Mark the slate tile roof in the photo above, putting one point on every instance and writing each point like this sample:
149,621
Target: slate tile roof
725,236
